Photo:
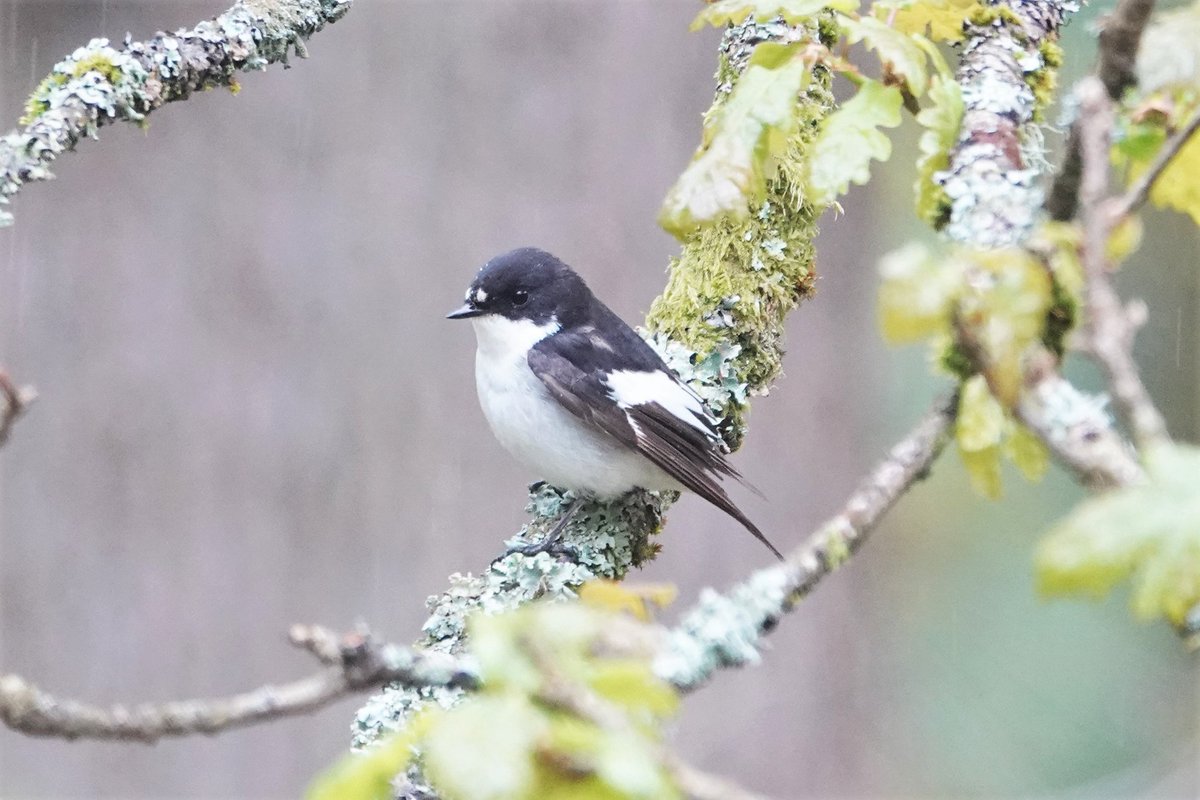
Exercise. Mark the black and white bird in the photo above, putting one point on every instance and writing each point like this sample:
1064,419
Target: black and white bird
574,393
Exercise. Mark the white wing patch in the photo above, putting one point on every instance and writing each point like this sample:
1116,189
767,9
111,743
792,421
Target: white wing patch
632,388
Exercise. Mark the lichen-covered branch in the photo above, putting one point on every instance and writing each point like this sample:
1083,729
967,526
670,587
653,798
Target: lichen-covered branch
1109,326
725,630
1006,72
99,84
719,324
1076,427
355,663
1120,40
14,401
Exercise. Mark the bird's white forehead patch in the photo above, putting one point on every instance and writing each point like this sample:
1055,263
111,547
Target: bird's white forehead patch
500,337
633,387
481,296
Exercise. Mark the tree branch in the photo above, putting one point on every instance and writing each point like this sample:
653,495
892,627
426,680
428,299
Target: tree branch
1120,40
724,630
355,663
98,84
1109,326
16,400
991,180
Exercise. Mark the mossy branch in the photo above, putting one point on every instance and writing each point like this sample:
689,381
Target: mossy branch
98,84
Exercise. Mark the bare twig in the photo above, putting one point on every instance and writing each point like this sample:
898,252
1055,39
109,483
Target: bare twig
1109,326
725,629
700,785
1120,39
1140,191
16,400
362,663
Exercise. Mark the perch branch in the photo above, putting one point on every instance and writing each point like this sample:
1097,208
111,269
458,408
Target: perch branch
16,400
1109,326
98,84
355,663
725,630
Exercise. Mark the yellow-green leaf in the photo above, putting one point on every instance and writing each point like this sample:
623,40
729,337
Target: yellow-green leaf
731,12
483,749
917,294
898,51
1027,452
849,139
941,19
640,601
369,775
1149,533
981,420
742,141
941,118
1177,187
983,468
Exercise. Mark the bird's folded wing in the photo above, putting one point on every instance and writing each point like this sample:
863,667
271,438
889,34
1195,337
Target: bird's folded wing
648,410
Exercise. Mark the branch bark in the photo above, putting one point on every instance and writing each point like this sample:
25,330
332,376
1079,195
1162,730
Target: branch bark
98,84
355,663
1120,40
1109,326
725,630
990,181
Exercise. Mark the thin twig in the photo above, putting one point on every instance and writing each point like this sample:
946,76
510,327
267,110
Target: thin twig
363,663
1140,191
16,401
1109,326
700,785
724,630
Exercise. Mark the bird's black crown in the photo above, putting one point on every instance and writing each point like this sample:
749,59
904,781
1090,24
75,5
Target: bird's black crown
528,283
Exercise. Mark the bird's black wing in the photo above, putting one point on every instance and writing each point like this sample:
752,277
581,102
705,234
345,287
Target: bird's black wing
646,408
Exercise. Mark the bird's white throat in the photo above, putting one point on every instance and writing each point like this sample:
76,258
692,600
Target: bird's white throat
505,340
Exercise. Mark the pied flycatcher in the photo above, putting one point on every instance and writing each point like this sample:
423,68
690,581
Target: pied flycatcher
574,393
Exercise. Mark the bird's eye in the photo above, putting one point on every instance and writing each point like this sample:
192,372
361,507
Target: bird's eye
520,297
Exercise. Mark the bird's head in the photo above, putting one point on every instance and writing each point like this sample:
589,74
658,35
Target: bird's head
525,284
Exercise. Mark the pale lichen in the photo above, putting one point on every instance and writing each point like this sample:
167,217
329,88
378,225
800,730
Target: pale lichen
99,84
1006,71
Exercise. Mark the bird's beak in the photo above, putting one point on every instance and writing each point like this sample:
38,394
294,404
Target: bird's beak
465,312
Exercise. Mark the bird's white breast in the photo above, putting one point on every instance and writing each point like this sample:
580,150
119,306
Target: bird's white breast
537,430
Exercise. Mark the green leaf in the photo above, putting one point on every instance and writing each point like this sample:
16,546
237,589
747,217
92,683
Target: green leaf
979,431
898,51
1149,533
633,686
942,19
1027,452
742,141
917,294
1007,296
850,139
941,119
632,767
732,12
369,775
483,749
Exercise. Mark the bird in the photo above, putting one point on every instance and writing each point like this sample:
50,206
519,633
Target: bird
574,393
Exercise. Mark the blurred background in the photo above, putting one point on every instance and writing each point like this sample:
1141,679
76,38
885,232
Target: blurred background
253,414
